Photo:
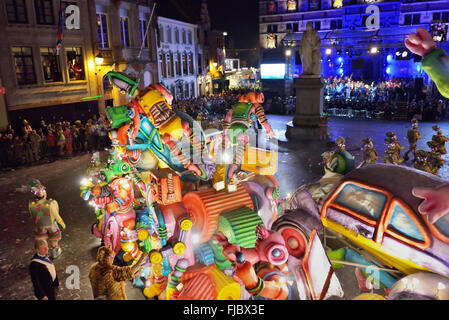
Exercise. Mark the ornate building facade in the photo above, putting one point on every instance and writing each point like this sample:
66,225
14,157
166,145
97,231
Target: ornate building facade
364,38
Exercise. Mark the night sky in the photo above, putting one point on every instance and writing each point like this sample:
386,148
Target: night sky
237,17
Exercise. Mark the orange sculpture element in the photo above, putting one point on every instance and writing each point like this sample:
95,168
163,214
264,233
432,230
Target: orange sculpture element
205,207
200,287
166,188
253,97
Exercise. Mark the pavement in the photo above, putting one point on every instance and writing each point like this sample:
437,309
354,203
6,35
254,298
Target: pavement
298,163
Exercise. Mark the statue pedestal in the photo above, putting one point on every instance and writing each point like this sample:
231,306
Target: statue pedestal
309,107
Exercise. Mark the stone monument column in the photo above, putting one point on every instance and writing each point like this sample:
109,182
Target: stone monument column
309,89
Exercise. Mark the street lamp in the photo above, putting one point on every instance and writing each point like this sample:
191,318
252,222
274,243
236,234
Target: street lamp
288,53
99,60
373,50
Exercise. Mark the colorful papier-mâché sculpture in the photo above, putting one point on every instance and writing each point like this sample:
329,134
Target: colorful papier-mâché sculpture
237,122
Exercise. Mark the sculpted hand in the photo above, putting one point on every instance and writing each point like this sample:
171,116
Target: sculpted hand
421,42
436,202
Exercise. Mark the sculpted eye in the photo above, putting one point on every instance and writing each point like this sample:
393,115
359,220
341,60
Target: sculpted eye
276,253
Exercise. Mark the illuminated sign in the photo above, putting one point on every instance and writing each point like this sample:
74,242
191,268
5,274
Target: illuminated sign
372,21
272,71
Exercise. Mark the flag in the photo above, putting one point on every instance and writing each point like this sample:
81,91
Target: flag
60,28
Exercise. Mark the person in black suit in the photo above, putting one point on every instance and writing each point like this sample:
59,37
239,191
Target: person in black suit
43,273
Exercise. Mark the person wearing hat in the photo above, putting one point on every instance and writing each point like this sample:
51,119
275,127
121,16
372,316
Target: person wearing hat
413,136
439,140
45,215
369,153
391,153
341,143
435,159
398,146
421,161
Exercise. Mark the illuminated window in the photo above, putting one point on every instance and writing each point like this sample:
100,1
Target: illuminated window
23,63
190,58
161,33
363,201
189,37
75,63
163,65
186,90
44,11
271,42
291,5
192,89
338,3
314,5
50,65
143,29
184,39
170,64
169,34
16,11
272,7
402,223
184,64
102,30
178,63
124,34
176,36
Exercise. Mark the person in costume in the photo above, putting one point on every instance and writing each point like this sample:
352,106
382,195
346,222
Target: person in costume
340,142
435,159
439,140
421,161
237,122
391,153
107,280
413,136
45,215
369,153
398,146
43,273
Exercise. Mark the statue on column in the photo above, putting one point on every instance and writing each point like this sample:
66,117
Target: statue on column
309,49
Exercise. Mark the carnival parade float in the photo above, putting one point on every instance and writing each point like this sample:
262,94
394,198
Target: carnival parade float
209,225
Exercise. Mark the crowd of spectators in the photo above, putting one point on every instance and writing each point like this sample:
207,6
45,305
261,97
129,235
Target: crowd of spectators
212,106
384,99
48,142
